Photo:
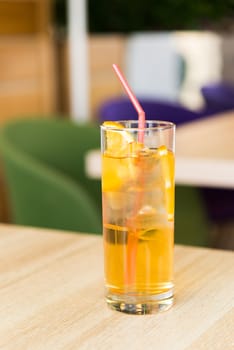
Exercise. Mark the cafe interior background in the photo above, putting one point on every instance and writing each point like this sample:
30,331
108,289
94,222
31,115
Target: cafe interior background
56,63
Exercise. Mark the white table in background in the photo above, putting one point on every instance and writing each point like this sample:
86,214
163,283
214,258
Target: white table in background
204,153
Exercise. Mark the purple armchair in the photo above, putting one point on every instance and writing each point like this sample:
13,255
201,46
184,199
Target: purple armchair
218,96
121,108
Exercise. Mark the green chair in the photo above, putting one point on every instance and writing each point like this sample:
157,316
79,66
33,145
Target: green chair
192,226
44,165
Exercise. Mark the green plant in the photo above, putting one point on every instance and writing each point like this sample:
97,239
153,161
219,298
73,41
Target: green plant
123,16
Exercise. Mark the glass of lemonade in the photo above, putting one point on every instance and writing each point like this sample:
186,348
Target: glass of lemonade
138,215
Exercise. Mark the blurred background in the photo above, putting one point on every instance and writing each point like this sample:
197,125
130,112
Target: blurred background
34,49
56,56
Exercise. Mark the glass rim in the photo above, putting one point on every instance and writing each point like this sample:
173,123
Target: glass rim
157,125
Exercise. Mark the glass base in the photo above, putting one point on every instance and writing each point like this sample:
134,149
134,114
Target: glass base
140,305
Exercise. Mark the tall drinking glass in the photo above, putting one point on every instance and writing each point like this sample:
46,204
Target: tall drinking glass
138,215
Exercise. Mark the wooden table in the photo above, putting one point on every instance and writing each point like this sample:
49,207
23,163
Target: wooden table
205,152
52,297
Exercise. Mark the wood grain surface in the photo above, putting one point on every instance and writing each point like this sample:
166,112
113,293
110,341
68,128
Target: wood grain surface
205,152
52,297
207,138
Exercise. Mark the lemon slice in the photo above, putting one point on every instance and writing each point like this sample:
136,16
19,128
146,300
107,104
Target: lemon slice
118,141
118,160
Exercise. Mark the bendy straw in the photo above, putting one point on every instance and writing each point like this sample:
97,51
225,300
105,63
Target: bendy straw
135,102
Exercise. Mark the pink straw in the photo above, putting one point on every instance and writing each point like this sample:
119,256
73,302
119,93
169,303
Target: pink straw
130,275
135,102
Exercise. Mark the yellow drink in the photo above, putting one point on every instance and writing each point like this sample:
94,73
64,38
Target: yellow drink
138,224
